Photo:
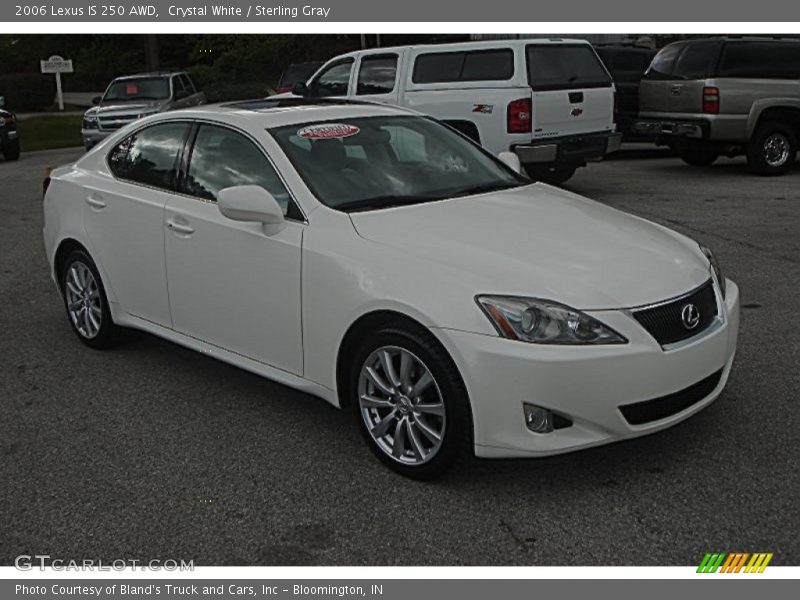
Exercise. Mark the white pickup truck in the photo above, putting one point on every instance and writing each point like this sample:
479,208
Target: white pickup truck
550,101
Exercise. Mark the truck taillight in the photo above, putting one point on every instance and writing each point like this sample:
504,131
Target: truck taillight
711,100
519,116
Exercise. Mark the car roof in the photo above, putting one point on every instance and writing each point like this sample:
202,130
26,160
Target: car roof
266,113
467,46
149,74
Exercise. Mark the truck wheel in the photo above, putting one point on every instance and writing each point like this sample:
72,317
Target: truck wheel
11,150
695,154
772,149
554,175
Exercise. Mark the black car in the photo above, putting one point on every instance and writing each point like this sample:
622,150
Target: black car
626,64
9,142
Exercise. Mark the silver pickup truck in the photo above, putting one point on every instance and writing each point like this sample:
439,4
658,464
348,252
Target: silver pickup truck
135,96
726,96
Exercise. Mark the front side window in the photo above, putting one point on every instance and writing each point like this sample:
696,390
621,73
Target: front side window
333,81
376,74
140,88
187,84
564,67
150,156
224,158
477,65
375,162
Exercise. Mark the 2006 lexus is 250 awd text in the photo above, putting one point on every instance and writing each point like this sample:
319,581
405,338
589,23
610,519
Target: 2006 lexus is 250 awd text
382,261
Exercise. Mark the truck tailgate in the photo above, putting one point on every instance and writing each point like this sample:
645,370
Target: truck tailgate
572,112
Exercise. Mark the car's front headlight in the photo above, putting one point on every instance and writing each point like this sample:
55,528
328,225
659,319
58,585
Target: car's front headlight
545,322
90,122
715,268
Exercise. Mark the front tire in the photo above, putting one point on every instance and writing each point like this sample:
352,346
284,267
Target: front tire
86,302
11,150
410,402
772,149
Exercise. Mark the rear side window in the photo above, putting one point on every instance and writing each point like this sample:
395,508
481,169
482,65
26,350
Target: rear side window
562,67
376,74
663,63
223,158
761,60
150,156
697,61
477,65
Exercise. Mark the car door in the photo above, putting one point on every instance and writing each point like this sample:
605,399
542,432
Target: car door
124,217
376,78
233,284
333,81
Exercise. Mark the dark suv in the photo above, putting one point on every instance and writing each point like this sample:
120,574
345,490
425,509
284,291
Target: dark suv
726,96
627,64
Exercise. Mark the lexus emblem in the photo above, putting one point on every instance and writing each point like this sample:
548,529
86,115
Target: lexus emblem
690,316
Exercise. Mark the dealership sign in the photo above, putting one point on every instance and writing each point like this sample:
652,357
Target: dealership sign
56,64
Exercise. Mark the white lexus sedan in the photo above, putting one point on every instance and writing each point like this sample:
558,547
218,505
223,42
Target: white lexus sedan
384,262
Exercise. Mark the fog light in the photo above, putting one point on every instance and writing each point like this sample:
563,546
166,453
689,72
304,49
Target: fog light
538,419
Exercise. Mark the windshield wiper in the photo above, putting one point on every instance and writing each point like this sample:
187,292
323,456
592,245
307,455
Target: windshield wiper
387,201
485,189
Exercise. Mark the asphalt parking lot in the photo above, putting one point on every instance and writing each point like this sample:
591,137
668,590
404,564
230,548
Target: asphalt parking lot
154,451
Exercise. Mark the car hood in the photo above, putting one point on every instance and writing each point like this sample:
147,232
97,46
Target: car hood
115,109
544,242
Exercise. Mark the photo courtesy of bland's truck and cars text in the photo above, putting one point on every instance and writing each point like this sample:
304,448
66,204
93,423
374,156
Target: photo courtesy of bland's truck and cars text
321,287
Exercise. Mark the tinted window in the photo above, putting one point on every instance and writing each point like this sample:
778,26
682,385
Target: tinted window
661,67
558,66
377,74
149,156
479,65
223,158
697,61
625,65
187,84
333,81
764,60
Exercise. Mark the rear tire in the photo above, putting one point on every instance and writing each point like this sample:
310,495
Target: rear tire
554,175
695,154
406,442
772,150
85,301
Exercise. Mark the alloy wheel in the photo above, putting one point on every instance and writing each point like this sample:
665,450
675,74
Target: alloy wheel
401,405
84,304
776,150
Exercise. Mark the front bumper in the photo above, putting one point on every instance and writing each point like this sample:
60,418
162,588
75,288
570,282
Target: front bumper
91,137
569,149
587,384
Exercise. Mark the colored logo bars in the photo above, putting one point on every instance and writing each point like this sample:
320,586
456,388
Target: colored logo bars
734,562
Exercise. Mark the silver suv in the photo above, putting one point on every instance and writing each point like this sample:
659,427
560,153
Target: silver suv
726,96
134,96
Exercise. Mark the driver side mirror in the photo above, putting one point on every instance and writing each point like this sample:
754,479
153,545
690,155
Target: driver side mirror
250,203
2,101
300,89
511,160
97,100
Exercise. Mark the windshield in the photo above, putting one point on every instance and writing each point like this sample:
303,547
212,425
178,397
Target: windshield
144,88
376,162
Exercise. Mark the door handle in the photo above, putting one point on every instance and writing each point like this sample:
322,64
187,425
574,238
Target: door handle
179,227
95,202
